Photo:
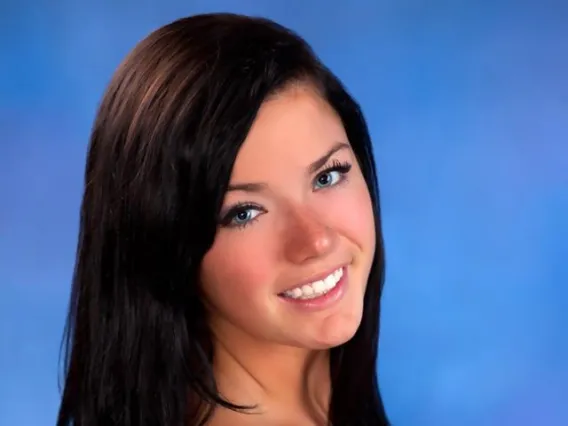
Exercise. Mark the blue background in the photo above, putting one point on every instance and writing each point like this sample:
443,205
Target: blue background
467,102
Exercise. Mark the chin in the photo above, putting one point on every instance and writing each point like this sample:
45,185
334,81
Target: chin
336,331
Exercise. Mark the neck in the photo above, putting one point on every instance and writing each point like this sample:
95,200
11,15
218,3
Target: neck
271,376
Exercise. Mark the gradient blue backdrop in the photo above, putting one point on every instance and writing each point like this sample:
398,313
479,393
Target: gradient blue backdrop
467,102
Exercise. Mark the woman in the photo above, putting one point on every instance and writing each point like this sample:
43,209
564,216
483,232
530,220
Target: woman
230,259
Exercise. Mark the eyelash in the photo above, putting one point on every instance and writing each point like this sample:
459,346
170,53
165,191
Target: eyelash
239,208
336,166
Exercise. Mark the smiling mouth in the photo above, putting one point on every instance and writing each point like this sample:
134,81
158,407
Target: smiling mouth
315,289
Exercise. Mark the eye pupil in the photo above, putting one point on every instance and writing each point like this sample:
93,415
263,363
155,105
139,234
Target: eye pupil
242,215
324,179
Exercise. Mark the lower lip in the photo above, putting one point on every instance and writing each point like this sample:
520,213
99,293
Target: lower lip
325,300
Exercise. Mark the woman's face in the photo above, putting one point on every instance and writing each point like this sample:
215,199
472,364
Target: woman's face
290,262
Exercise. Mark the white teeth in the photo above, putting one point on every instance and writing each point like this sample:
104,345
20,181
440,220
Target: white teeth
317,288
296,293
307,290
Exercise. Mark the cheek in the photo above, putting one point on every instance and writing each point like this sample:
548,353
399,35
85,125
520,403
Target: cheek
352,215
234,272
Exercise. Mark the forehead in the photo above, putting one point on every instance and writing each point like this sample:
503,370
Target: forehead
291,129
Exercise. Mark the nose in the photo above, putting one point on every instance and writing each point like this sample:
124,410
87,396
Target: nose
307,237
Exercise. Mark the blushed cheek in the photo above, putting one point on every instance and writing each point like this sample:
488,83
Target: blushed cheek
355,218
234,273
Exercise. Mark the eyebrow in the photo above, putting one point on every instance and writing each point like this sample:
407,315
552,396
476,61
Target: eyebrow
320,162
312,168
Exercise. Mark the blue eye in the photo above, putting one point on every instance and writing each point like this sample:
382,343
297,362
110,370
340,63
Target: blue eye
329,178
332,175
241,215
244,216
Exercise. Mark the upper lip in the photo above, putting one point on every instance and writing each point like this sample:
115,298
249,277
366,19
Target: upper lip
314,278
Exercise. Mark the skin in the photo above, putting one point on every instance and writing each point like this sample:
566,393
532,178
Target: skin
268,352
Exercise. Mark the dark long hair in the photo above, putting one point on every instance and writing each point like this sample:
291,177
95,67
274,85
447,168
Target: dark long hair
137,348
